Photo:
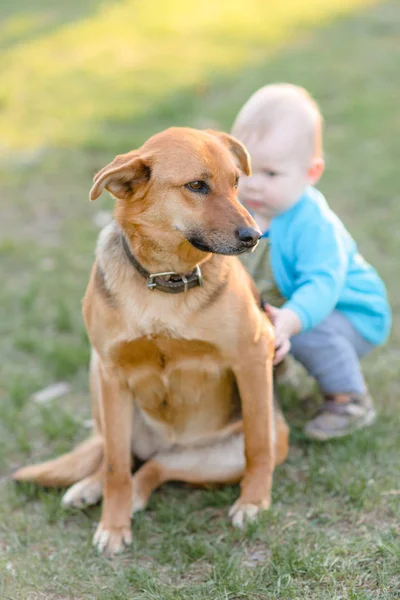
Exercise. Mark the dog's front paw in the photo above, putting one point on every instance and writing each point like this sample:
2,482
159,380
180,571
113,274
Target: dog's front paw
112,540
245,512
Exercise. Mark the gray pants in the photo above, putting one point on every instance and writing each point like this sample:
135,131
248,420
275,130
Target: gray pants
331,353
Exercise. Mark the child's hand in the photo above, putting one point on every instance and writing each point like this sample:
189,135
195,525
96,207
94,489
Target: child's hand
286,323
281,350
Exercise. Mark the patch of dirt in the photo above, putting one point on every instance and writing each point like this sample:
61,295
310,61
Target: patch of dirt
255,555
198,572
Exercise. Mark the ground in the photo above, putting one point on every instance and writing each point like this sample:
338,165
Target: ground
85,80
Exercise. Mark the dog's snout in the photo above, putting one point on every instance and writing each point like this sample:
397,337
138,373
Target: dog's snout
248,236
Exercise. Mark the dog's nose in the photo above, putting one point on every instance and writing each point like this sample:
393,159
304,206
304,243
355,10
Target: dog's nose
248,236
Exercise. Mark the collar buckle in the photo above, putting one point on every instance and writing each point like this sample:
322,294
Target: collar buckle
152,283
199,276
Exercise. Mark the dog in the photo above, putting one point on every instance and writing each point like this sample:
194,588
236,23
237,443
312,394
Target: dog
181,353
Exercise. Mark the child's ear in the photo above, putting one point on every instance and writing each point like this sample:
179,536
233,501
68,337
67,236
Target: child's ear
315,170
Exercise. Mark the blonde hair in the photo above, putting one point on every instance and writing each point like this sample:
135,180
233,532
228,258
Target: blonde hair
282,105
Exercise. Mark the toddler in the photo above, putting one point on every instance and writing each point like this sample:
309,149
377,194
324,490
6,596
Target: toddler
328,305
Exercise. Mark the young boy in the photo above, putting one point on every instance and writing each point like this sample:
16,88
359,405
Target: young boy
328,305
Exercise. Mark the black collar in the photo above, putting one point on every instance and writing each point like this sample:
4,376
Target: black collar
174,285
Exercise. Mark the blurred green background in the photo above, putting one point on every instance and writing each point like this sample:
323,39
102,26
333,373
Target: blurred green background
84,80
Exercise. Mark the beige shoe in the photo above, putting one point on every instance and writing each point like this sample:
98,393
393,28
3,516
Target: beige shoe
340,415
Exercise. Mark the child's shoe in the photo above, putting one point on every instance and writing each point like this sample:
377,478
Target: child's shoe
340,415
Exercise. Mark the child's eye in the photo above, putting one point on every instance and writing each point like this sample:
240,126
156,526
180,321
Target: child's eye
235,185
270,173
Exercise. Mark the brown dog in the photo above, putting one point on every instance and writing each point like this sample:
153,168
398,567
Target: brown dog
181,367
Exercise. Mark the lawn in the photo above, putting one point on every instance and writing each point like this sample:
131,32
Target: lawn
82,81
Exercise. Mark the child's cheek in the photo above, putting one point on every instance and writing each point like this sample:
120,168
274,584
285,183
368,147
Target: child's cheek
247,185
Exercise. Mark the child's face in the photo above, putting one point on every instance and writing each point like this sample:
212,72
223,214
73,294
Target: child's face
279,177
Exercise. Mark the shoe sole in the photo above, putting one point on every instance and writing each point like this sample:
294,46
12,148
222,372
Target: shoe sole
322,436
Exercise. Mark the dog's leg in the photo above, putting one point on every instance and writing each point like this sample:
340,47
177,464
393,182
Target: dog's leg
147,479
281,433
221,462
218,463
114,530
86,492
254,379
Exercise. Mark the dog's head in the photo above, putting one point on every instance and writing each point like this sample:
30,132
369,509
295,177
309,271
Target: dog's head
183,182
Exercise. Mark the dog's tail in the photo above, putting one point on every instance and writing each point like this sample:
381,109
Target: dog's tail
61,472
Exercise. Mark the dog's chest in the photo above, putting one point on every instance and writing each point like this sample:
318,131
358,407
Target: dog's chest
156,315
179,383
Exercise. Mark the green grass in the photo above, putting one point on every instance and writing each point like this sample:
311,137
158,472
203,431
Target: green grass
84,81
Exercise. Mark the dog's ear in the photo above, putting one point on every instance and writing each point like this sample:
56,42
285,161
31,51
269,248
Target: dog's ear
122,176
237,149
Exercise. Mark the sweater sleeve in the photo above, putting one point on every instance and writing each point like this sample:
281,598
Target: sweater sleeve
320,269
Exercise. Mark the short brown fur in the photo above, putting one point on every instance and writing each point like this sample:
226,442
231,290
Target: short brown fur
182,381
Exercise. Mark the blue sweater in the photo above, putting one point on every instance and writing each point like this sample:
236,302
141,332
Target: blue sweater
317,267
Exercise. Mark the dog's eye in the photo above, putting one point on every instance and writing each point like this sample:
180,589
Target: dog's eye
270,173
236,184
197,186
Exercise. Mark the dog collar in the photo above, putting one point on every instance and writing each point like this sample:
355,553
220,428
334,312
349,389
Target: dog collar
177,282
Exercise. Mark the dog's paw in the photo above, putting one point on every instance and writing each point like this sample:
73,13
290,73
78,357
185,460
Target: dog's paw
112,540
84,493
244,512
